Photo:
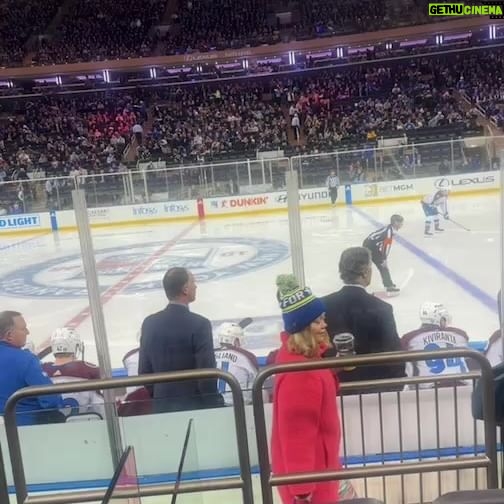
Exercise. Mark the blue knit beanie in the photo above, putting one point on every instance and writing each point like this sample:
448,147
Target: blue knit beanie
299,309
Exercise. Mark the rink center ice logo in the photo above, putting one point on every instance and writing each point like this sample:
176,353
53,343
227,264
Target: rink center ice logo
209,259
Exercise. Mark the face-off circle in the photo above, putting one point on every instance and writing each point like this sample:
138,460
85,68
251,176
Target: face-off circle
208,258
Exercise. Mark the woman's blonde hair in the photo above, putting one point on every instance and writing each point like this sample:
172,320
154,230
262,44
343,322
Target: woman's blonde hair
306,343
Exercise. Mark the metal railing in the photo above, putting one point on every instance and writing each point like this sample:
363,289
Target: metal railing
407,158
487,461
243,482
4,488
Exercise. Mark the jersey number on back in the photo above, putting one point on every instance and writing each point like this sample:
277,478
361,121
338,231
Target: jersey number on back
437,366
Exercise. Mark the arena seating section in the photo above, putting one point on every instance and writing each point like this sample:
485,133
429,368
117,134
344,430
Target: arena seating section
65,31
338,109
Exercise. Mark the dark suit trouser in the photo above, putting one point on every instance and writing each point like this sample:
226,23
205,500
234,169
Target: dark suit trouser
377,259
333,193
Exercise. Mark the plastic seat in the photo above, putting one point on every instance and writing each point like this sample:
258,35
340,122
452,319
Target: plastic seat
472,497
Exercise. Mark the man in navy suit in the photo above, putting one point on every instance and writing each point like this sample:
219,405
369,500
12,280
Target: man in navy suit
176,339
369,319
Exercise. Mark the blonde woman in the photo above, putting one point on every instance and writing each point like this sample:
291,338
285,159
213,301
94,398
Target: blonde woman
306,426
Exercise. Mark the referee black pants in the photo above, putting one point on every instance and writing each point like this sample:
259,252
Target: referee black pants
333,193
377,259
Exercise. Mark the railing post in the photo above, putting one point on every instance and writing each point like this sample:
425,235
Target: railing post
295,228
12,432
452,154
98,319
489,461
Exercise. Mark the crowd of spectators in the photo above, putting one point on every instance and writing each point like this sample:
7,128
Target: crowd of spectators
323,17
95,30
217,24
198,122
479,77
371,100
19,20
60,136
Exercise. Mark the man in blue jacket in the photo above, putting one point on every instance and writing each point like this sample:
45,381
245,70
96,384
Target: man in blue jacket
20,368
176,339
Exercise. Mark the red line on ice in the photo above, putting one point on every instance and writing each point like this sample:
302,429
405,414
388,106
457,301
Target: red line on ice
138,270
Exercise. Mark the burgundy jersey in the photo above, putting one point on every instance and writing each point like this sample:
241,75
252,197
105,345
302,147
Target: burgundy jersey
77,402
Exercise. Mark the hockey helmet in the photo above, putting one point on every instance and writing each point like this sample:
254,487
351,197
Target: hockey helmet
66,341
434,313
229,332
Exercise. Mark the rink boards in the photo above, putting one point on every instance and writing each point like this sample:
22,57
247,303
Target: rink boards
362,193
157,438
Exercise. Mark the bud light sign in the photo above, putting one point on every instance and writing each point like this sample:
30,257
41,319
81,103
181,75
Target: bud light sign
20,222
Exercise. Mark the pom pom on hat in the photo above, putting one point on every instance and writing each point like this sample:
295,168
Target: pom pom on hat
286,284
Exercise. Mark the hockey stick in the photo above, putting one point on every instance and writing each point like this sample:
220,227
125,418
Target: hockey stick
245,322
459,225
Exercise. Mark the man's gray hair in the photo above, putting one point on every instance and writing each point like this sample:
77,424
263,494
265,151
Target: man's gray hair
7,322
354,264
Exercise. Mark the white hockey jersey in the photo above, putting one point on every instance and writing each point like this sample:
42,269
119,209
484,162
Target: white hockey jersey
494,349
437,200
431,337
242,365
77,402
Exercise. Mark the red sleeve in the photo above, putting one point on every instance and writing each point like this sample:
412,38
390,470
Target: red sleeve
299,404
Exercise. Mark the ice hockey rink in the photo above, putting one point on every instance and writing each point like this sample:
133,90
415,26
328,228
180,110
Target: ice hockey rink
236,260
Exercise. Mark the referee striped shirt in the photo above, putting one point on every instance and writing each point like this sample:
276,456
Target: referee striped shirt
381,240
332,181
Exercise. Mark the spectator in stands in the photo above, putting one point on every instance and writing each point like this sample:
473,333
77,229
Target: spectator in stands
323,17
221,24
176,339
369,319
306,426
18,22
103,29
20,368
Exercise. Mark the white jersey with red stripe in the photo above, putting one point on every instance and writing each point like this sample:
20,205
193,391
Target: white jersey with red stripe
431,337
494,351
77,402
242,365
438,200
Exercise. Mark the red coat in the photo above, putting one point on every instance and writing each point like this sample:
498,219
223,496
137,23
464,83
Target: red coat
306,428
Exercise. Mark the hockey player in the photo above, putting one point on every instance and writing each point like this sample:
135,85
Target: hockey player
379,243
433,205
435,334
67,347
231,357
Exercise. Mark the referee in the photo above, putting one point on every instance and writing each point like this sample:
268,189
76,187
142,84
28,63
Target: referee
379,243
333,183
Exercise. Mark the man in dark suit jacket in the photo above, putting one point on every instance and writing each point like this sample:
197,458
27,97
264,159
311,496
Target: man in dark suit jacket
368,318
175,339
